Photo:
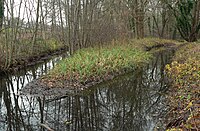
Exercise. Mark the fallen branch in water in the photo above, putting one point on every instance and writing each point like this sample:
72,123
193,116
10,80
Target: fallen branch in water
46,126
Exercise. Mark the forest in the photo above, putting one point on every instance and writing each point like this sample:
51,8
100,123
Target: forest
100,41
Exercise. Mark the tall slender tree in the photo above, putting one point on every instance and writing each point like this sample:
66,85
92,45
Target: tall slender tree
187,13
1,13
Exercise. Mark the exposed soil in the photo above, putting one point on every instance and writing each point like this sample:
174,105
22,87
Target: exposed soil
40,87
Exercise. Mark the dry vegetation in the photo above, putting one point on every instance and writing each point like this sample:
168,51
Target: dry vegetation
184,95
20,53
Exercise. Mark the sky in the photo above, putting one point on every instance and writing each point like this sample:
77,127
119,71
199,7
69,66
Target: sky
27,9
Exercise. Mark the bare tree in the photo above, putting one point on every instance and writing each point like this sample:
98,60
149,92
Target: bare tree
1,13
36,26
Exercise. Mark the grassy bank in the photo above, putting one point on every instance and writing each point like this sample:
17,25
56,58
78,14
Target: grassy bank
184,95
21,53
94,65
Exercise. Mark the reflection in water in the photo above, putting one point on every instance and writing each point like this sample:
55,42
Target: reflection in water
130,102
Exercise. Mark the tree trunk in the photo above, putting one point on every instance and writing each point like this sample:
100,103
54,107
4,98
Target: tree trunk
195,23
36,27
1,13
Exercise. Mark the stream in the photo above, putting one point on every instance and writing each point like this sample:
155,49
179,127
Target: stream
131,102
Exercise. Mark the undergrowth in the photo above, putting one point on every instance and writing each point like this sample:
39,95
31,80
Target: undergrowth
184,72
21,50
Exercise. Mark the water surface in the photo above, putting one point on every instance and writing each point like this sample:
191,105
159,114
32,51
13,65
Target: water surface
132,102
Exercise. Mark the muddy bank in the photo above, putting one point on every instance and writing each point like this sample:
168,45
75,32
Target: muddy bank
39,87
31,61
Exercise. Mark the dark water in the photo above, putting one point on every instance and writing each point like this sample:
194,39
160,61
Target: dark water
133,102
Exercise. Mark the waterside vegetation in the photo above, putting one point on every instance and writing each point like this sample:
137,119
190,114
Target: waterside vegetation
184,95
106,38
94,65
20,54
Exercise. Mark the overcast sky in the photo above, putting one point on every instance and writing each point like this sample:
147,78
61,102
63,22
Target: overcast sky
27,10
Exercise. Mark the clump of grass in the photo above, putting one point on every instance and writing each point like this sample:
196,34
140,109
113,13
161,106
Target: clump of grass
101,63
184,71
93,64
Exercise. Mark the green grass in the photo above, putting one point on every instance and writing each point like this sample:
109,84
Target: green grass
96,64
93,62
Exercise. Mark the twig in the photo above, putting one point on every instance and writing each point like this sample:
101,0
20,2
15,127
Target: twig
46,126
